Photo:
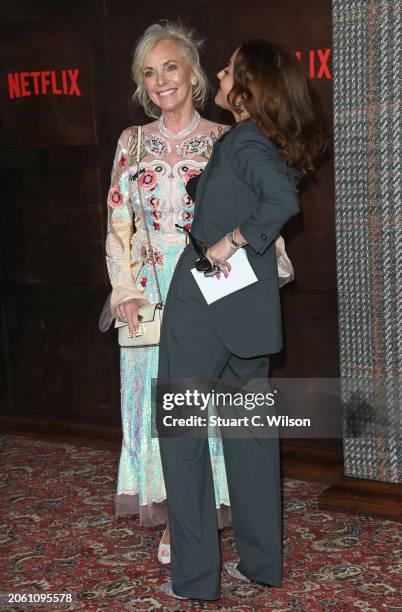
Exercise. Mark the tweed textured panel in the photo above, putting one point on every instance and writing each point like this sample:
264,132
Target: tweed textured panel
367,114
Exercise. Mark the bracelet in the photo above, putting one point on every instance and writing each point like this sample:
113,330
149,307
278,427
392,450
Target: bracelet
230,243
233,241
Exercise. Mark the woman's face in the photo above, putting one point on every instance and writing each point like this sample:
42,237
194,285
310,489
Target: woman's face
168,78
225,77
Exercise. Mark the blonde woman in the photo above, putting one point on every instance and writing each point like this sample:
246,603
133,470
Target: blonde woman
176,145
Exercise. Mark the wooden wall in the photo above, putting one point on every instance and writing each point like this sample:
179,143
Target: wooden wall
55,162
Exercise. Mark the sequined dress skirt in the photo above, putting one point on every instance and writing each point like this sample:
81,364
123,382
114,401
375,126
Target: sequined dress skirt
140,487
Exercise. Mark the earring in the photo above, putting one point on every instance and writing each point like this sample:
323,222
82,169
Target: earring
238,105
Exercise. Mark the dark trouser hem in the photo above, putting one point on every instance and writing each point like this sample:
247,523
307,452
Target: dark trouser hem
204,598
274,582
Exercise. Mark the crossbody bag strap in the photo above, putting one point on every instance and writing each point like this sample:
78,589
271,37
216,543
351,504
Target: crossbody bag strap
151,252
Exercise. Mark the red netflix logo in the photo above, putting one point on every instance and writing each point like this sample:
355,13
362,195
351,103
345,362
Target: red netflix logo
317,62
43,83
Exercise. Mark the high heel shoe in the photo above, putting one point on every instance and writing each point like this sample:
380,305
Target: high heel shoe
232,570
163,552
167,589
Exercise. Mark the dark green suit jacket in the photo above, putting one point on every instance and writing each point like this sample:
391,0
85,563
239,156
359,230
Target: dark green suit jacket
247,184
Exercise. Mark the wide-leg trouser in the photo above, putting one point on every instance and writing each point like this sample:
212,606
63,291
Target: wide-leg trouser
191,348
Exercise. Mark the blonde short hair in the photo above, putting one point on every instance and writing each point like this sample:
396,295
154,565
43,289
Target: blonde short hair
189,46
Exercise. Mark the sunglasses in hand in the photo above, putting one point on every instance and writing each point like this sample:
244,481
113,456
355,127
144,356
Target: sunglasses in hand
202,264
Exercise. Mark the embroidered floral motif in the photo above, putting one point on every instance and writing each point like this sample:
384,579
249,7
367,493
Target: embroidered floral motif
155,145
145,253
185,172
122,161
114,198
155,214
147,179
187,201
221,131
189,174
154,202
186,215
193,146
143,281
213,138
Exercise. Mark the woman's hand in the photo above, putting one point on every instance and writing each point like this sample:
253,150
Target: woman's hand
128,312
218,254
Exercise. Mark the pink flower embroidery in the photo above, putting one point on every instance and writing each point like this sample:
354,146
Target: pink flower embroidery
187,201
157,226
154,202
147,256
188,226
143,281
148,179
189,174
122,161
114,198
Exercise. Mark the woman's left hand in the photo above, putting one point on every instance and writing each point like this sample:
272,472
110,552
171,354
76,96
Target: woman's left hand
218,254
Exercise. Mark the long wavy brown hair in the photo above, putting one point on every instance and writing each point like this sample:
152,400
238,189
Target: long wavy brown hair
269,82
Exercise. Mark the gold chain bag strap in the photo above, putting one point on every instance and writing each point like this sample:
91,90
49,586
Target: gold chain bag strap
150,316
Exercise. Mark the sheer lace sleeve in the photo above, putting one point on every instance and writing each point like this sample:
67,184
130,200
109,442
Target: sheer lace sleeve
122,270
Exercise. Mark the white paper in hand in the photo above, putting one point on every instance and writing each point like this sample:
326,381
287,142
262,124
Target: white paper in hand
241,275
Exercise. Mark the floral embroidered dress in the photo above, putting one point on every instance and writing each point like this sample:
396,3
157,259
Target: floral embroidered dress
167,162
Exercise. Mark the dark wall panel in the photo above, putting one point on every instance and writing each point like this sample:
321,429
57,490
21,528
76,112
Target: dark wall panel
54,229
5,387
60,365
311,348
49,10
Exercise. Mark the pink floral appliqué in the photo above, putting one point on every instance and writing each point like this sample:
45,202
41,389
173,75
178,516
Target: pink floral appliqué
154,202
115,199
147,256
189,174
186,215
147,179
187,201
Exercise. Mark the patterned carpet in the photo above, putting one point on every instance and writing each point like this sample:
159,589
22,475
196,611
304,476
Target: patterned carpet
58,534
